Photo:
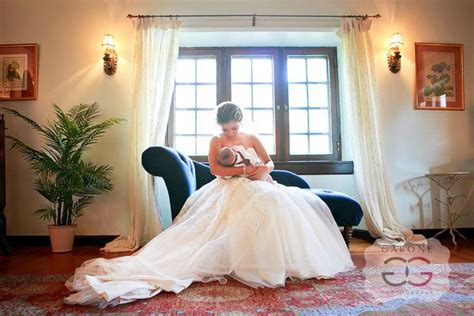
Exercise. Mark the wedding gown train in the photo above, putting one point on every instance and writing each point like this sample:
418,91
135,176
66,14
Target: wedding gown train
254,231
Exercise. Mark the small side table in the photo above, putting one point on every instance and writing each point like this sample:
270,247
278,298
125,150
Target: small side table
446,182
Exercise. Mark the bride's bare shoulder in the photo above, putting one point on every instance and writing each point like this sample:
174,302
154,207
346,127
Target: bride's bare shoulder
246,135
216,139
247,139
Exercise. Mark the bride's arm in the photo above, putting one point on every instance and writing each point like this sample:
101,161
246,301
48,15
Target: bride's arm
219,170
263,155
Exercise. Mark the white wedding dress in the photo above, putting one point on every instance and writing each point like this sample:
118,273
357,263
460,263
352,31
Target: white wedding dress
254,231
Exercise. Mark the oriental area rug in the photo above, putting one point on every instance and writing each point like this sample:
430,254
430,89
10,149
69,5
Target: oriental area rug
423,290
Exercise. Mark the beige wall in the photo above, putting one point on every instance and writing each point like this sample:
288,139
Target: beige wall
69,33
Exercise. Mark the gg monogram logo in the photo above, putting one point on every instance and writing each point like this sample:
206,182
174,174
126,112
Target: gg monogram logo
407,272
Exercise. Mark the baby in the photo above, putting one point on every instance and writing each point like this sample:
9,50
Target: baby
229,157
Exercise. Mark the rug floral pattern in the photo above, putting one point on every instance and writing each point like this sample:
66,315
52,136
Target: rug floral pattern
345,295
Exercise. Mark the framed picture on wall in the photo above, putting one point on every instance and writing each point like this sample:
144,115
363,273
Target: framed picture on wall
19,72
439,76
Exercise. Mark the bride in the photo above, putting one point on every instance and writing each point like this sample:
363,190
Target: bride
254,231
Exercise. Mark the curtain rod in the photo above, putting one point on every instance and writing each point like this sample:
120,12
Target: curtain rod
253,16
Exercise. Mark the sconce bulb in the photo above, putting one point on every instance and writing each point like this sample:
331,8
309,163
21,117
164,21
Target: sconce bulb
396,41
108,41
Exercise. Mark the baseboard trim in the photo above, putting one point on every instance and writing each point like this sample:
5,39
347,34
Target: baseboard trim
36,241
101,240
468,232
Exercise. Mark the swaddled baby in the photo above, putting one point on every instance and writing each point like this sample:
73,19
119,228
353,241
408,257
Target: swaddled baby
232,157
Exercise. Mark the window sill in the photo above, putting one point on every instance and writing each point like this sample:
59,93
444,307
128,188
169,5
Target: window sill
316,167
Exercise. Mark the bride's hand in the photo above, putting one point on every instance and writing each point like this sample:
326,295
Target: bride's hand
258,172
250,171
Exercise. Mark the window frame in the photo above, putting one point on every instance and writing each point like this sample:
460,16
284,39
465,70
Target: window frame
333,100
302,164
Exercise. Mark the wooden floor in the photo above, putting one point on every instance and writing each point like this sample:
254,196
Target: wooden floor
40,260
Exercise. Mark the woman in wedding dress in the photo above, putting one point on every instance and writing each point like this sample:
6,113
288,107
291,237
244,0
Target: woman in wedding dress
251,230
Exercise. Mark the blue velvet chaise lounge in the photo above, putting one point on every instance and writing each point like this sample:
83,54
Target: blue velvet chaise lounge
183,176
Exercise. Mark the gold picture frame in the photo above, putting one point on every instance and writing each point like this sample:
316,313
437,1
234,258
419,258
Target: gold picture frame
19,72
439,76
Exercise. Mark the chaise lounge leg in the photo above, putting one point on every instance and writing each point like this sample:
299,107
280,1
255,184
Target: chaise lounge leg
347,234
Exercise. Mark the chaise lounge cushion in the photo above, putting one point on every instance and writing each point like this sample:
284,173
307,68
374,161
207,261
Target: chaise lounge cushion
345,209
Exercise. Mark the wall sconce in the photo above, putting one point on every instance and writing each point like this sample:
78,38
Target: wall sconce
110,56
393,55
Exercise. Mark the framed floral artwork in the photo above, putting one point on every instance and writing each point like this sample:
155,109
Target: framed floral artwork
19,72
439,76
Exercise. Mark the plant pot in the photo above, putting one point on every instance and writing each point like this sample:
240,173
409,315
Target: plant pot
62,237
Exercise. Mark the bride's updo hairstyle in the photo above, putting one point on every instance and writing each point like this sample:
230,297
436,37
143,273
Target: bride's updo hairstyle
228,112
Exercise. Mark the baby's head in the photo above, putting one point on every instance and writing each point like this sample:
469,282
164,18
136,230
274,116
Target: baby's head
226,157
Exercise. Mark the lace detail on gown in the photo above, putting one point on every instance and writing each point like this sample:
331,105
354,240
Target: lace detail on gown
256,232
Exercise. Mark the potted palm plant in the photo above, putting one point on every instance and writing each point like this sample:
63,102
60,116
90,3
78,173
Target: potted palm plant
63,176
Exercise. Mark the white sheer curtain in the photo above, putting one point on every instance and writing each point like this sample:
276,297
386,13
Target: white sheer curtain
361,114
156,53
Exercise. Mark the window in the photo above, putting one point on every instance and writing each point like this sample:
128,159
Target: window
252,88
194,101
290,95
